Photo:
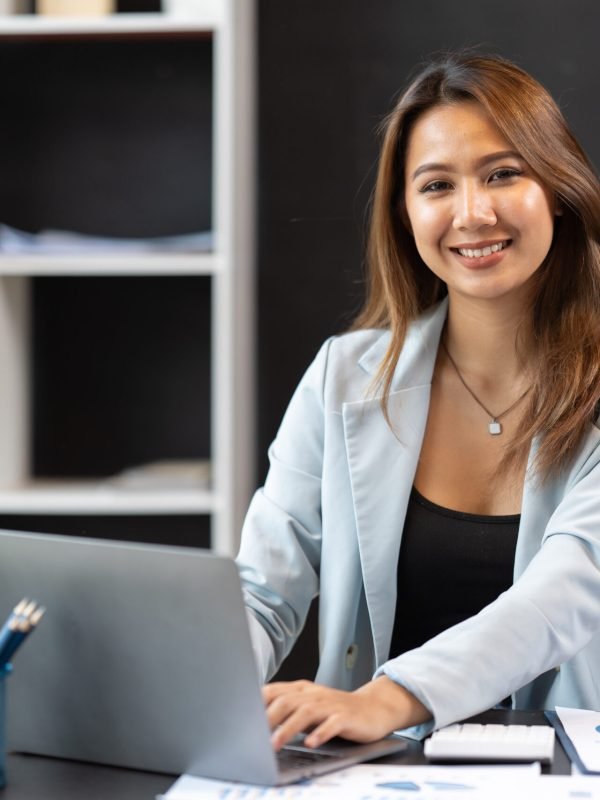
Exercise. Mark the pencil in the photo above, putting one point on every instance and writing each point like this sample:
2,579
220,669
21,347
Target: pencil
19,626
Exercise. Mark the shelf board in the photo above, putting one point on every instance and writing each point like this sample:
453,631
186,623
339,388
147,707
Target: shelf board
208,18
94,265
100,498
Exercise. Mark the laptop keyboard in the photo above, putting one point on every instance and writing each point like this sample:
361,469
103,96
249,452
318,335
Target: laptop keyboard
296,759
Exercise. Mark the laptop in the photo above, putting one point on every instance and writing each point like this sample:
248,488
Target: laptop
143,660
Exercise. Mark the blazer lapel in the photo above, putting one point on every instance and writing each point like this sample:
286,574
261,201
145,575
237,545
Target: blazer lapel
382,464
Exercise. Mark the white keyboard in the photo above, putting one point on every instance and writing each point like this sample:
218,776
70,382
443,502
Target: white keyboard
471,742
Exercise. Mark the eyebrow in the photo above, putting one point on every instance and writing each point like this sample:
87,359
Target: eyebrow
481,162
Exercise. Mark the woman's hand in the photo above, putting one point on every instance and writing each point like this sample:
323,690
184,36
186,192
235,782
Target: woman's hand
365,715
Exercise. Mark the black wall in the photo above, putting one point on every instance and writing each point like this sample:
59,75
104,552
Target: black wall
328,73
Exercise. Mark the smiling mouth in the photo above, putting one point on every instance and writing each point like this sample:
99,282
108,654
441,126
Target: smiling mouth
479,252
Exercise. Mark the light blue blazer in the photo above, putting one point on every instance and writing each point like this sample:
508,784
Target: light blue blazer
329,521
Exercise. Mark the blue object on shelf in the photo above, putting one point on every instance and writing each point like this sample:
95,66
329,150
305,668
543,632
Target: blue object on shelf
4,673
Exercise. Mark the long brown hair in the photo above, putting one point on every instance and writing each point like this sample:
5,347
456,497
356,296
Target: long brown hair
566,306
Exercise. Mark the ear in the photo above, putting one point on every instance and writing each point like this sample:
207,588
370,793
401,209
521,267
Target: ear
558,207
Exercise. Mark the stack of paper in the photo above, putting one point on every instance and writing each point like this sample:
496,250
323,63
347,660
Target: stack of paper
53,242
390,782
167,474
579,734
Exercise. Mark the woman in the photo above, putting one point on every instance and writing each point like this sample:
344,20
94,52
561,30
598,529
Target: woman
436,478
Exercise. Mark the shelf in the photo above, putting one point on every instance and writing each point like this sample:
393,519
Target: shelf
166,264
97,497
208,19
135,125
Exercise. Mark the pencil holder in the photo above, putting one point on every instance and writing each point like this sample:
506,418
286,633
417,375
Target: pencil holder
4,673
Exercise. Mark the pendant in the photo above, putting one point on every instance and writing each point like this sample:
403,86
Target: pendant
495,428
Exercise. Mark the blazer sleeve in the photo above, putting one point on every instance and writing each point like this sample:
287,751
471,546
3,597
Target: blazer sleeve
549,614
281,537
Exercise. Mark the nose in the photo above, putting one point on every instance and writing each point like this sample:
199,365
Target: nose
474,208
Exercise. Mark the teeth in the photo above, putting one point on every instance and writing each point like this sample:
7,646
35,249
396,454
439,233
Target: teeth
484,251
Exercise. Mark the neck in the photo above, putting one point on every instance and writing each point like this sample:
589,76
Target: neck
489,341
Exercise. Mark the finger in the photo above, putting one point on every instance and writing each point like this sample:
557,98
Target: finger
273,690
297,722
353,725
283,707
326,730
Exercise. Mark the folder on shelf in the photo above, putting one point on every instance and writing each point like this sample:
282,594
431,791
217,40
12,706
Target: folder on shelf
169,474
54,242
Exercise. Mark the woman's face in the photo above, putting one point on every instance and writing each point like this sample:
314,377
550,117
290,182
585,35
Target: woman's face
481,219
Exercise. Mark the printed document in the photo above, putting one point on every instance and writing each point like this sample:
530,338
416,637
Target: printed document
391,782
583,729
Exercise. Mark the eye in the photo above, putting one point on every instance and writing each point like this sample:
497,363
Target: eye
504,174
434,187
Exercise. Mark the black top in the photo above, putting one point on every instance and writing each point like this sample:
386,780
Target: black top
451,565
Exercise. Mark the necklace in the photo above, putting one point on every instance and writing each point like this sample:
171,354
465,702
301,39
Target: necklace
494,426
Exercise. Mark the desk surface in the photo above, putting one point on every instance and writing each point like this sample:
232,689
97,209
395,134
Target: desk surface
33,777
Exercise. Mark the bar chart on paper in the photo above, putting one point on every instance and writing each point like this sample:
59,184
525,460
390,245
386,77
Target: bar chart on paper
390,782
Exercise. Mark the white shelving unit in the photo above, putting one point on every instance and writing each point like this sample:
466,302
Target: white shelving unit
229,267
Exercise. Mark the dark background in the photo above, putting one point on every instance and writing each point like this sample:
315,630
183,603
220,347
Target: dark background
328,73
